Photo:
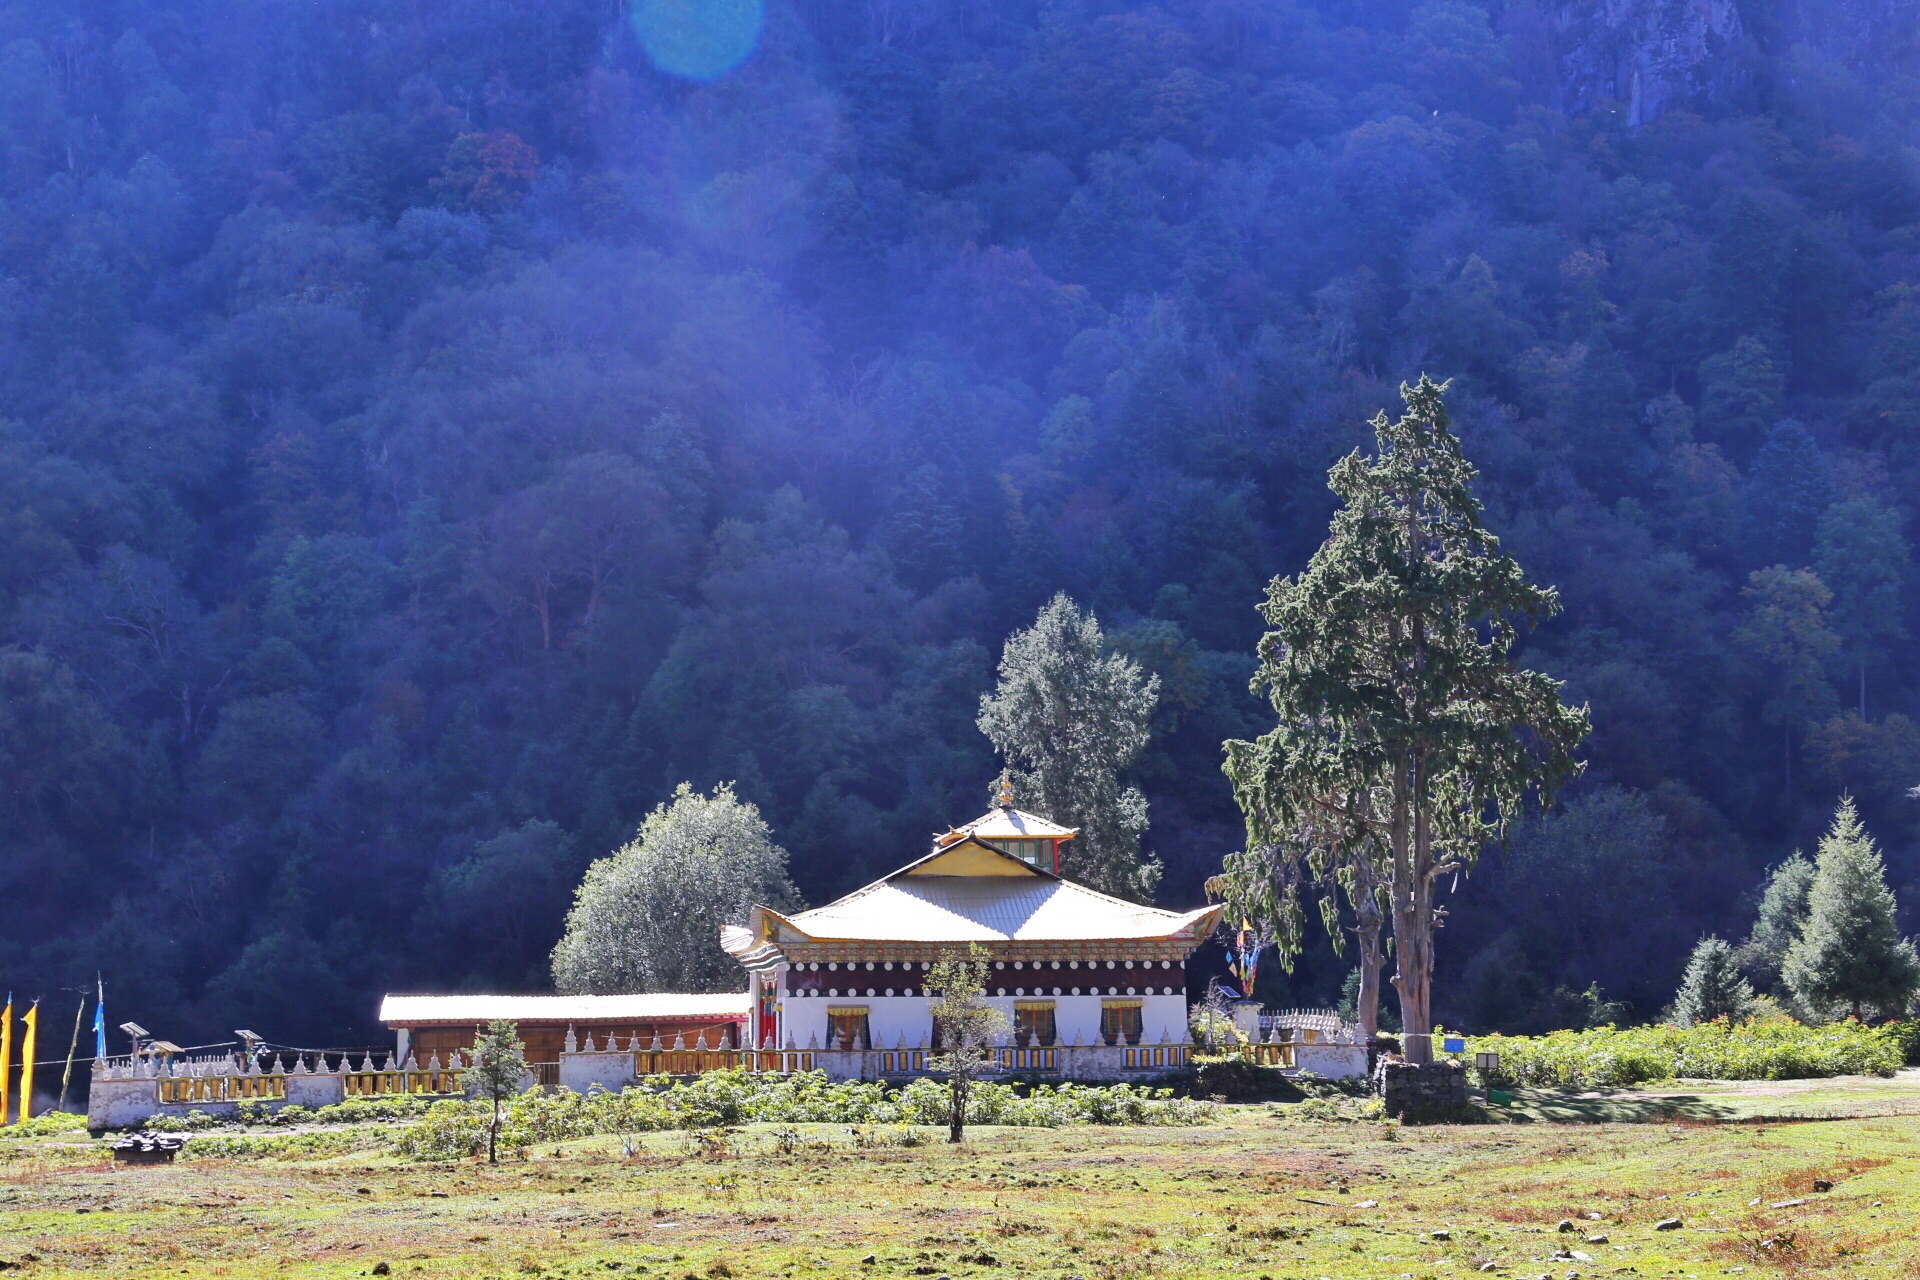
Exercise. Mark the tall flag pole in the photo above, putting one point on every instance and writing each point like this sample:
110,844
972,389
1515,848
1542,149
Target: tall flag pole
99,1018
6,1054
30,1032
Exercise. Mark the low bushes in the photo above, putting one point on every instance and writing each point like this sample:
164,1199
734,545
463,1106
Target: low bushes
1776,1049
455,1129
253,1111
319,1145
357,1110
1908,1033
43,1126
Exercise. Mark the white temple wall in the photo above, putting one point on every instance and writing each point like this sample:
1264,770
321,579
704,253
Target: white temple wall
893,1018
1332,1061
116,1104
580,1072
316,1091
803,1022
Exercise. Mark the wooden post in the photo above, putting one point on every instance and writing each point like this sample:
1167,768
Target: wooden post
73,1046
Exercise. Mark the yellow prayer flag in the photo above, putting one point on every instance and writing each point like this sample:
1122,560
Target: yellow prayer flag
31,1024
6,1054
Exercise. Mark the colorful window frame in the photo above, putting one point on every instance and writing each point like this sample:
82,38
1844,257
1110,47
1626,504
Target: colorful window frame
1034,1023
1121,1020
848,1027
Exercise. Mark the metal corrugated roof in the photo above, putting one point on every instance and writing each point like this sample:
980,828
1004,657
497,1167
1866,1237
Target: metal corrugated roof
986,909
1008,824
583,1009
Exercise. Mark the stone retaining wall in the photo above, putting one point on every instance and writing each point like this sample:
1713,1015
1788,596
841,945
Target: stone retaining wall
1432,1086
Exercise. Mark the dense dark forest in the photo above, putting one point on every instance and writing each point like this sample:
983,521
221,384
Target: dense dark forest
431,431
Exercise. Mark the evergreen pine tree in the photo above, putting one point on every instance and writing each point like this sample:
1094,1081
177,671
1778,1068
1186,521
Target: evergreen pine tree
1787,628
1407,736
1069,716
1783,914
1850,953
1712,986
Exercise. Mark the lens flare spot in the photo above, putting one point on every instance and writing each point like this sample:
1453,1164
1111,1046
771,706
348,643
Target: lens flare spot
698,39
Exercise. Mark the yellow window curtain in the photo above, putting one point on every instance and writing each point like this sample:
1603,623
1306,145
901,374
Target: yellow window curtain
1033,1023
847,1028
1120,1019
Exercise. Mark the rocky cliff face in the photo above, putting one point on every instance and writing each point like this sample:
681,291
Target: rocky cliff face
1654,56
1647,55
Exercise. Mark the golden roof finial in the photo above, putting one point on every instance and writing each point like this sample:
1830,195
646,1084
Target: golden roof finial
1005,789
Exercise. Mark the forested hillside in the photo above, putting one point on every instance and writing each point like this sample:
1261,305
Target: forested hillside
431,432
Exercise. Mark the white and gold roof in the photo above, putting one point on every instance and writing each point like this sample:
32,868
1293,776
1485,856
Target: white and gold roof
1006,823
969,891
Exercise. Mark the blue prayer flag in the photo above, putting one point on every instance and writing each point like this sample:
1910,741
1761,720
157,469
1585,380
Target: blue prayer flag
99,1029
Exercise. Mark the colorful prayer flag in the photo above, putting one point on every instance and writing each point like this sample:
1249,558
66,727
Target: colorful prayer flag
6,1054
31,1023
100,1028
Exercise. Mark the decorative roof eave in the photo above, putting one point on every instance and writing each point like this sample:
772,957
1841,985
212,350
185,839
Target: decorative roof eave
746,946
1187,932
1196,926
1024,826
1123,949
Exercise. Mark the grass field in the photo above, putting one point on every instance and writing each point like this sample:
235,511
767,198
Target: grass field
1269,1191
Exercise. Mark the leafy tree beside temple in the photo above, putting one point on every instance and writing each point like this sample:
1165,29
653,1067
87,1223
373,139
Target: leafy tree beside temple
645,917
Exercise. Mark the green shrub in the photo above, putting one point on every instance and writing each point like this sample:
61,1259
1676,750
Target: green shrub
42,1126
1775,1049
1907,1031
451,1130
720,1100
1336,1110
385,1106
283,1146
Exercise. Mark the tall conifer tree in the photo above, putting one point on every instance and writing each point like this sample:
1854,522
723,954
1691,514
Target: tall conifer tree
1403,720
1850,953
1069,715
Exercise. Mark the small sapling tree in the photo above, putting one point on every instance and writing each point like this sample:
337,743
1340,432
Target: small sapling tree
969,1028
499,1064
